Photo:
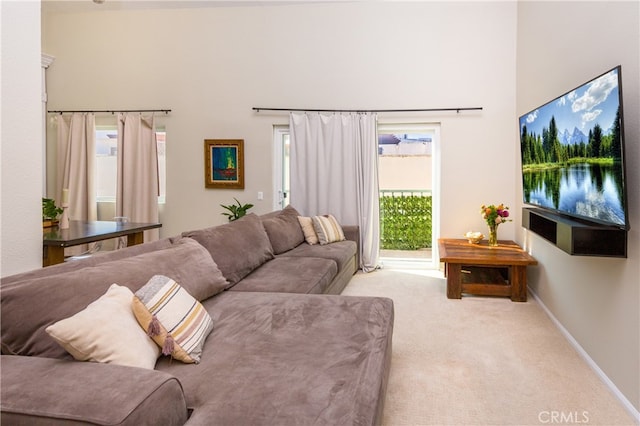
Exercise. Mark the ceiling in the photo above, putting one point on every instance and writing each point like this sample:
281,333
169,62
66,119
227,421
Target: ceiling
74,6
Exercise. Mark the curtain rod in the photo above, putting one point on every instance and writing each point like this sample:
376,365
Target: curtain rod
258,109
166,111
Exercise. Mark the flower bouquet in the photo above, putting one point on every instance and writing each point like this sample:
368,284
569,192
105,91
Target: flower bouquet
494,216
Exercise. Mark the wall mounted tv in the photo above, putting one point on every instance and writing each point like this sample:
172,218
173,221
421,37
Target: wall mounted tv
573,153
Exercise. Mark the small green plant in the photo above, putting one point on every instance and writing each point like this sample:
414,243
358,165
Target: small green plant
236,211
49,209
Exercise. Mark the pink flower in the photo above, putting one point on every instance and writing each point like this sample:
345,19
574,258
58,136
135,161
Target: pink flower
495,215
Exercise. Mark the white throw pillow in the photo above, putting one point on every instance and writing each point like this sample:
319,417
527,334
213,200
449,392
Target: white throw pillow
107,331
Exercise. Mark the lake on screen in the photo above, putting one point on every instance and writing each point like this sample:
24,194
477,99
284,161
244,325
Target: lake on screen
590,190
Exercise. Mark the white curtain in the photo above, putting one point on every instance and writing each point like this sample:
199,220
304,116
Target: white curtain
137,182
76,156
334,169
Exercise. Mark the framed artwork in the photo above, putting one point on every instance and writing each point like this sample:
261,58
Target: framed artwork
224,163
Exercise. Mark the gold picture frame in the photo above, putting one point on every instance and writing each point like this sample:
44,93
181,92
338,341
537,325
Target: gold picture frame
224,163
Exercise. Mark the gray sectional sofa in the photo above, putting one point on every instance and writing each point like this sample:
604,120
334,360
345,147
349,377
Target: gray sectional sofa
285,347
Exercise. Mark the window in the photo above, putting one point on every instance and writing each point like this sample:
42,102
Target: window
281,166
107,163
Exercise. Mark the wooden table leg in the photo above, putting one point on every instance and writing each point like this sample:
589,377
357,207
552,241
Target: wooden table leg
53,255
518,280
454,281
135,238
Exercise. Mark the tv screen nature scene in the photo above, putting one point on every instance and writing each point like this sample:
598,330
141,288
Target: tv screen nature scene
572,152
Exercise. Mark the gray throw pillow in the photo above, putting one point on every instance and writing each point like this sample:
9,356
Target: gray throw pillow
284,230
237,247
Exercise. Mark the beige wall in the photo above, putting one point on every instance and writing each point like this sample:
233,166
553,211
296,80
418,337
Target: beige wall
212,65
405,172
21,138
597,300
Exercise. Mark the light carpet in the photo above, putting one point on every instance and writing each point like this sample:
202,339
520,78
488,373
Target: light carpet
481,360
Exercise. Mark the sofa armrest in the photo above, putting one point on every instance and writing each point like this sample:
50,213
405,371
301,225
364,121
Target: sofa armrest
352,233
41,391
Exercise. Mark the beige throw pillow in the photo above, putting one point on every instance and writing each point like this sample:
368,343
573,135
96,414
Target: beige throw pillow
107,331
308,230
176,321
328,229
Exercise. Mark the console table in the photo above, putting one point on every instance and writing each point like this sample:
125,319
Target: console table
54,240
485,271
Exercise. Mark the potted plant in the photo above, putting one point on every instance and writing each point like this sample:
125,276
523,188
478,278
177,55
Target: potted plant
236,211
50,212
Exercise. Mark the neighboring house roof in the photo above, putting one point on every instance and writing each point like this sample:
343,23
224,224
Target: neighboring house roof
387,139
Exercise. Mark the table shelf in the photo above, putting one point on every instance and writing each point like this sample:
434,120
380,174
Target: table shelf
484,275
485,281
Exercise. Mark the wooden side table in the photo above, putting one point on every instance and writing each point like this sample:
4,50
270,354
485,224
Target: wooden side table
485,271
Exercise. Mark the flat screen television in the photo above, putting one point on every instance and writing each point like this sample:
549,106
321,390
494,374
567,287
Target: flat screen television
572,151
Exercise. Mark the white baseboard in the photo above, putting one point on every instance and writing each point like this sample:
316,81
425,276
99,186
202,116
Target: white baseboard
612,387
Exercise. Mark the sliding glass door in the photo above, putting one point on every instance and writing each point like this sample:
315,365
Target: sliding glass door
409,181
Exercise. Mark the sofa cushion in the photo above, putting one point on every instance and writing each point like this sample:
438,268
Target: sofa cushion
290,275
340,252
45,391
107,331
290,359
328,229
237,247
173,318
310,236
29,306
284,230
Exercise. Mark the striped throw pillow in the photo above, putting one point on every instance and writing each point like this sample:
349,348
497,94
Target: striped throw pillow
176,321
328,229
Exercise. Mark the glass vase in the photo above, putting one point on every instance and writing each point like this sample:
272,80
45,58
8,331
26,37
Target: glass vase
493,235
